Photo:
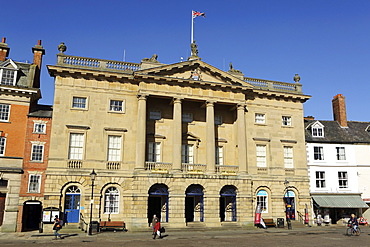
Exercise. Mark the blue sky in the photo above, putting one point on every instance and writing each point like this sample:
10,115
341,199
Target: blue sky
325,41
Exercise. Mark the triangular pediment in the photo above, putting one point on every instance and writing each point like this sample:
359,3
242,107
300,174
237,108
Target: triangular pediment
195,70
315,124
9,64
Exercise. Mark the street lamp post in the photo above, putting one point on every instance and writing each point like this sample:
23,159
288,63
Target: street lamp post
288,207
92,177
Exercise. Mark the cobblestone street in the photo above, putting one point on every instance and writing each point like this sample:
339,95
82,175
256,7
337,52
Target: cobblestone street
310,236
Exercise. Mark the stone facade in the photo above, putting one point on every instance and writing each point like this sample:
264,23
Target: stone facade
177,140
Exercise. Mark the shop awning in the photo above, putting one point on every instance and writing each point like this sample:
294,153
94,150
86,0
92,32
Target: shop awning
339,201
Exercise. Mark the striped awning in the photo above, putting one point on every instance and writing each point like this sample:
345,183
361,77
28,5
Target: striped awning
339,201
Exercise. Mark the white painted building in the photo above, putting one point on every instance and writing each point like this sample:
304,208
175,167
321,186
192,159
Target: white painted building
338,154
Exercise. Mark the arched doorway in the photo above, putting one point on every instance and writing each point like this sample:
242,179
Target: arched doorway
72,204
194,210
289,200
228,203
31,217
158,202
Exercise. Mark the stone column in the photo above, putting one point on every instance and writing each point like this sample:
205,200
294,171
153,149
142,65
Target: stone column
177,135
242,142
210,137
141,132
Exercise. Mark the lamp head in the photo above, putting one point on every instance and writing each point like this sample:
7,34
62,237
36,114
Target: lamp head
93,175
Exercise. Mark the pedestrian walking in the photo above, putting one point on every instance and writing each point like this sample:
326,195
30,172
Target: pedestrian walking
56,227
319,219
154,222
157,230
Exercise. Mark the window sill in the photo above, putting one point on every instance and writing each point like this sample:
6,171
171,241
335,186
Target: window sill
78,109
39,133
117,112
37,161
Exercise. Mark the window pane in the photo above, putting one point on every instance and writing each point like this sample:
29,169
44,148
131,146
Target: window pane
79,102
288,157
116,105
154,152
7,77
261,155
318,153
260,118
218,119
2,145
155,115
114,148
262,199
111,200
76,144
187,154
34,183
341,154
219,155
4,112
287,121
187,117
37,151
320,179
39,128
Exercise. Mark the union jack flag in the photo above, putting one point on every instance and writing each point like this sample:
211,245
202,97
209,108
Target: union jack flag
197,13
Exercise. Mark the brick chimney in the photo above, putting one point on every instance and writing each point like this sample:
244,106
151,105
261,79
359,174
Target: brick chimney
38,52
339,110
4,50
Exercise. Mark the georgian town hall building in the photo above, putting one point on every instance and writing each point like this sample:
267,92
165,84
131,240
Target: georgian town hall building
191,143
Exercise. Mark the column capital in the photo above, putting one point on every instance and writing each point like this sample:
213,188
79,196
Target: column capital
210,102
177,100
241,106
142,96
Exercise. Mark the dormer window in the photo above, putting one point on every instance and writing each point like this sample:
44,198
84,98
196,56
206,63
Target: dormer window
317,130
8,73
7,77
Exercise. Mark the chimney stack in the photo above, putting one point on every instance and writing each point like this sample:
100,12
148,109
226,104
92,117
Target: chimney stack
4,50
38,52
339,110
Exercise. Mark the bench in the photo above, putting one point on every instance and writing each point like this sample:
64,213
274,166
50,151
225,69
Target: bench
113,225
269,222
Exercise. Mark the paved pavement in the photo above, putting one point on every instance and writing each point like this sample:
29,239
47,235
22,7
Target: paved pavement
304,236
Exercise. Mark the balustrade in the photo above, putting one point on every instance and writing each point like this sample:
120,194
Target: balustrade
74,164
92,63
113,165
194,168
274,85
227,169
158,167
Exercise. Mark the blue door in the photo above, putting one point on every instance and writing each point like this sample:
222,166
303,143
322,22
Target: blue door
72,205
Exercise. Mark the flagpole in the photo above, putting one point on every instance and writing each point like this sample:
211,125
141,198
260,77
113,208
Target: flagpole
192,28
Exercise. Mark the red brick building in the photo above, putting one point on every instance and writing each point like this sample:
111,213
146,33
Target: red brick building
19,93
35,160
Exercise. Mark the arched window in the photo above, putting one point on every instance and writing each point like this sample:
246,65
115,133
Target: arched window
262,200
111,199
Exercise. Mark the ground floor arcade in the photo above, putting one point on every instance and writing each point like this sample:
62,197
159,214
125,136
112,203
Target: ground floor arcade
178,201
